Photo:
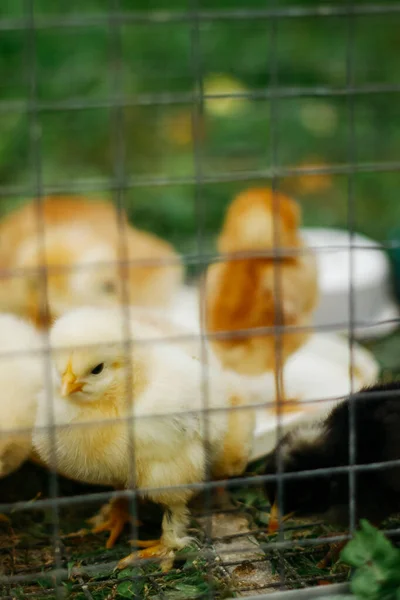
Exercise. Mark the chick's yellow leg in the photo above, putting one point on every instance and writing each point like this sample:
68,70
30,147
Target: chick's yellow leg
333,554
283,403
174,525
113,517
234,457
151,549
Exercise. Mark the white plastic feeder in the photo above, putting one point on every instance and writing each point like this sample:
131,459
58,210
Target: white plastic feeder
369,272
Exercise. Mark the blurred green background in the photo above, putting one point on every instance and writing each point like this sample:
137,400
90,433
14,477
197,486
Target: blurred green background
78,63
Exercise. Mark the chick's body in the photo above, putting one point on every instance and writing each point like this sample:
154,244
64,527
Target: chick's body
260,292
21,376
326,445
79,244
168,442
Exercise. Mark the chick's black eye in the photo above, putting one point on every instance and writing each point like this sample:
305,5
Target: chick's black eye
97,369
109,287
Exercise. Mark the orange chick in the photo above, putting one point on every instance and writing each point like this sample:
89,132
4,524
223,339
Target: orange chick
79,242
242,293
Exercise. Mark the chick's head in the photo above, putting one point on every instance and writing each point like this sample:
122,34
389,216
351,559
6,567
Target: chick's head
81,269
300,450
90,356
259,219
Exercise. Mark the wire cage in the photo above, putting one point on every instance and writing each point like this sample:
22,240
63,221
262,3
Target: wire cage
231,554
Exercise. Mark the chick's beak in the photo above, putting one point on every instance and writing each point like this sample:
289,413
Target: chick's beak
69,383
273,524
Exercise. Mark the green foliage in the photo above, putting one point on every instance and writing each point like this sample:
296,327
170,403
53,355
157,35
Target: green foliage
132,583
376,563
84,65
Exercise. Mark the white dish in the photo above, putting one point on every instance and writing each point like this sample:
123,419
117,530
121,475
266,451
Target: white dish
367,265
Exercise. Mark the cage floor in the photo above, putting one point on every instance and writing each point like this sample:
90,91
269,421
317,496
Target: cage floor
232,555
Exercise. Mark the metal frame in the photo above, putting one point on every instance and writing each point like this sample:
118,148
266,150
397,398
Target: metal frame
314,593
122,181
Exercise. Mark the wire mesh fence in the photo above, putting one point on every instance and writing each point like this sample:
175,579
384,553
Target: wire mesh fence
46,547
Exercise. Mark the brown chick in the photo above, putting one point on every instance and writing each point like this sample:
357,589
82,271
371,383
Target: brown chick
240,292
81,250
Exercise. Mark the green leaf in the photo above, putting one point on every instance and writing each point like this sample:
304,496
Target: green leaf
130,588
70,567
365,584
369,544
126,589
377,563
133,572
191,591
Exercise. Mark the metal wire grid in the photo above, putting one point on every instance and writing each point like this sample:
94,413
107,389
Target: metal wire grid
122,181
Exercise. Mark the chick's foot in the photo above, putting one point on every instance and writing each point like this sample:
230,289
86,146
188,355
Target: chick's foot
333,554
151,549
113,517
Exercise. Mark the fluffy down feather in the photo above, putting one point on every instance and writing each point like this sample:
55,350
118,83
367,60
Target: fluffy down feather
98,385
21,376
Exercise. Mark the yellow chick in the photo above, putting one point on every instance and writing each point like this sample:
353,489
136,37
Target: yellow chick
80,246
136,418
21,375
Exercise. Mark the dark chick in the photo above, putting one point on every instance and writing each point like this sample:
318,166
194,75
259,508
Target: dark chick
326,444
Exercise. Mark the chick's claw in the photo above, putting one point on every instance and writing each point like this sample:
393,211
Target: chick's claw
151,549
113,517
332,556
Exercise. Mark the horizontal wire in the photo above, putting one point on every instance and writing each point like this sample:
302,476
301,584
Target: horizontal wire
154,181
158,17
289,580
254,332
334,577
133,419
269,547
254,480
194,258
369,395
213,539
179,98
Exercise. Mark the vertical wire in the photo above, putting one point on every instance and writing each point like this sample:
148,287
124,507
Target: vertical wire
35,133
197,115
277,275
352,157
119,180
